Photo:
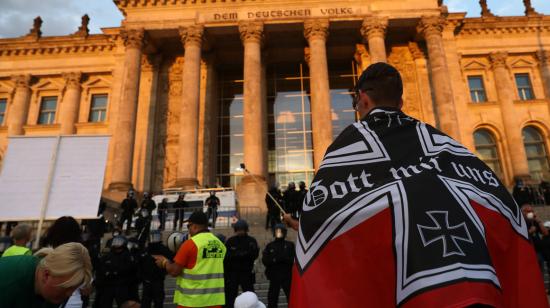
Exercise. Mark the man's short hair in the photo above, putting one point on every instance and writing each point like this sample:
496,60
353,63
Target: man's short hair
382,83
21,232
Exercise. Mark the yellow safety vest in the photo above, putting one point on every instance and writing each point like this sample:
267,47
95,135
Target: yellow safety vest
203,285
15,250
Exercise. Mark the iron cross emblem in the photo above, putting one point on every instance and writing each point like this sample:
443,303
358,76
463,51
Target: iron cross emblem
444,232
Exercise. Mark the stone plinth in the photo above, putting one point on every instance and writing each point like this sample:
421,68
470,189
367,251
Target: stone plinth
251,193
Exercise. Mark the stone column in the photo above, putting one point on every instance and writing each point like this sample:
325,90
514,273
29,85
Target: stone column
254,109
186,175
252,188
316,33
127,106
19,108
431,28
544,63
512,128
71,103
374,32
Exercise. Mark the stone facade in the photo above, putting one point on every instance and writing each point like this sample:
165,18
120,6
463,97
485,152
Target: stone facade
160,71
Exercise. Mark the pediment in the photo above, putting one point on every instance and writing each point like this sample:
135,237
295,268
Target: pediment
97,82
522,63
47,84
475,65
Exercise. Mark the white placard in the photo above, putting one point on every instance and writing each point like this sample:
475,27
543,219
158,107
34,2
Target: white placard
76,183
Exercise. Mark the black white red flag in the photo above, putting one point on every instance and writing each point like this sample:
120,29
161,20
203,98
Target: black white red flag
400,214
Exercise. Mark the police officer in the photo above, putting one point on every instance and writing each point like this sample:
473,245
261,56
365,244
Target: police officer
242,251
143,226
303,194
151,275
148,203
292,199
162,208
273,212
114,274
212,203
128,206
179,211
278,258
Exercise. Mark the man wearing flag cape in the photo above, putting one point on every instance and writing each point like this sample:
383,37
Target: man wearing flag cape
400,214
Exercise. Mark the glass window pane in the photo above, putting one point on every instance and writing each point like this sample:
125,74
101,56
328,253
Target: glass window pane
522,80
47,110
3,103
523,84
487,150
535,149
483,137
530,134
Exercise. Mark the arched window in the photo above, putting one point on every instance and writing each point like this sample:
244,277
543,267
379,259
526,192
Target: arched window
486,148
537,157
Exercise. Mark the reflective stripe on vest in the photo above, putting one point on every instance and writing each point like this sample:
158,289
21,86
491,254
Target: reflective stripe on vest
203,285
15,250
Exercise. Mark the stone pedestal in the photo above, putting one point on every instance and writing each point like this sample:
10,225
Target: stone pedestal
251,193
71,103
316,33
18,111
512,128
186,176
374,33
127,106
431,28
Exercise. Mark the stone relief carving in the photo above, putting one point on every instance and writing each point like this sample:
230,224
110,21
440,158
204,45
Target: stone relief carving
402,59
374,26
72,79
429,26
133,38
251,31
498,58
192,35
21,81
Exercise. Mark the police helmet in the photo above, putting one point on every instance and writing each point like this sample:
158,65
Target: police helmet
279,231
132,244
240,225
155,236
145,195
175,240
119,241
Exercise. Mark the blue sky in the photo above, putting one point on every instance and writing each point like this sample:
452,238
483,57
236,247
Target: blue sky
62,17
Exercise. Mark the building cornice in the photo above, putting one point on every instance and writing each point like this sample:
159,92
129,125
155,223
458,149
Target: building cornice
505,25
70,44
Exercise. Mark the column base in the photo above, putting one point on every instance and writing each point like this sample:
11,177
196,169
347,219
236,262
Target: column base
251,193
120,186
186,183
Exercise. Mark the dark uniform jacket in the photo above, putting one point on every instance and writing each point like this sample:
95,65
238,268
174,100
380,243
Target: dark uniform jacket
278,258
242,251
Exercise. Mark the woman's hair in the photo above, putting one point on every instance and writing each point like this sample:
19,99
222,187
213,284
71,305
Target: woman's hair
69,258
64,230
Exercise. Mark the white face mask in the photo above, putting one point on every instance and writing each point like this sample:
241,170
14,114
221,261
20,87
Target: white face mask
530,215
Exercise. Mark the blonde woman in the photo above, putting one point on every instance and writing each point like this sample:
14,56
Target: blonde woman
46,279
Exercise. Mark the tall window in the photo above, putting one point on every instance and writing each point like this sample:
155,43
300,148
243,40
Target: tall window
341,81
47,110
98,108
537,157
3,104
477,89
525,89
487,150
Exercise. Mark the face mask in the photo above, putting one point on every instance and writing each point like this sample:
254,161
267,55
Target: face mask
530,215
279,233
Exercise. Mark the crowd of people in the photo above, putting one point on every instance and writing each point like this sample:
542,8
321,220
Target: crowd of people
127,263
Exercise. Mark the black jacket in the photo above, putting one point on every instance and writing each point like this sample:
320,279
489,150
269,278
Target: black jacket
149,271
242,251
116,268
278,258
128,206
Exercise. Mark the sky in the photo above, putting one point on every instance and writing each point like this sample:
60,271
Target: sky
62,17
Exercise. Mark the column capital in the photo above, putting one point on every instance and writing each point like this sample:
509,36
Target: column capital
544,57
431,25
374,26
192,35
498,59
150,62
133,38
72,79
251,31
416,52
316,29
21,81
